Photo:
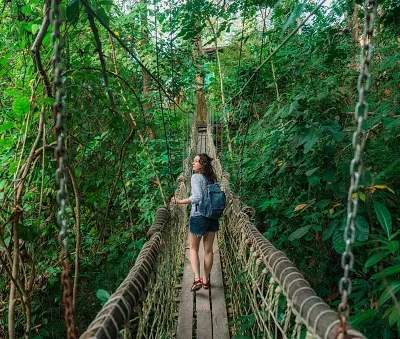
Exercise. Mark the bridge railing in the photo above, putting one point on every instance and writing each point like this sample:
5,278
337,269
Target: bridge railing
144,305
266,294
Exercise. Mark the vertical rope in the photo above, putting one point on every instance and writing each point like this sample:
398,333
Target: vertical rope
166,133
251,110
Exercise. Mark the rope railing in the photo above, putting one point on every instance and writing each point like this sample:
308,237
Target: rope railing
144,305
266,295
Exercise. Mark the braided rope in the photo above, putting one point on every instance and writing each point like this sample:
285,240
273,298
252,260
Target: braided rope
286,307
149,287
144,304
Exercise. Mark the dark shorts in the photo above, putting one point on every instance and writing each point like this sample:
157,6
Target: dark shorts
200,225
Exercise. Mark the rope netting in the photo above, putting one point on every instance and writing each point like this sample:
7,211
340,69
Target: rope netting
267,296
144,305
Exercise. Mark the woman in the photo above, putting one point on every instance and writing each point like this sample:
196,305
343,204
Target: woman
200,226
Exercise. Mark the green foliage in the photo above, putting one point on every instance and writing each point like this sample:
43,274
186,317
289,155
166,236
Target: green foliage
115,172
384,217
102,295
293,123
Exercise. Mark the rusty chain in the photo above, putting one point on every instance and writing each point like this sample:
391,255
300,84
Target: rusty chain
61,172
356,165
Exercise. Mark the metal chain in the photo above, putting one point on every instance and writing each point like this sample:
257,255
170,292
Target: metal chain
356,165
61,172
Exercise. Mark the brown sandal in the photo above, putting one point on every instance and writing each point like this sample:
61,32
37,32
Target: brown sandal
197,284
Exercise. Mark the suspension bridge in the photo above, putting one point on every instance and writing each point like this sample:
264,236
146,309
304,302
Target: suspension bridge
255,288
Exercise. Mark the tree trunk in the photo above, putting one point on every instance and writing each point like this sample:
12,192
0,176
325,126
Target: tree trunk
201,108
355,24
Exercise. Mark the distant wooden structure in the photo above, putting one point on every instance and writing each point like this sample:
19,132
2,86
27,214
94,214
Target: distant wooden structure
202,139
210,51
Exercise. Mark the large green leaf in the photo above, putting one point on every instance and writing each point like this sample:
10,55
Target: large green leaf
334,129
337,241
283,112
311,171
35,28
386,272
395,317
73,11
106,3
384,217
374,259
362,228
102,295
328,231
103,15
361,316
6,126
302,231
21,105
390,290
289,109
393,246
329,173
26,10
314,179
309,140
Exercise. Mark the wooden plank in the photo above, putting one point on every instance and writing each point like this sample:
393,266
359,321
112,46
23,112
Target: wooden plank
185,315
219,314
202,296
204,325
203,300
203,309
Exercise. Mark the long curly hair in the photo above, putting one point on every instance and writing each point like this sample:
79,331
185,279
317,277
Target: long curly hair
207,170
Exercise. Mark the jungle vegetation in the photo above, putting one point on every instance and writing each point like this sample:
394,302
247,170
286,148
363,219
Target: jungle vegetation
283,132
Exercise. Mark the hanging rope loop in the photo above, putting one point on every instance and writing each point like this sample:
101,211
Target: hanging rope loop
356,165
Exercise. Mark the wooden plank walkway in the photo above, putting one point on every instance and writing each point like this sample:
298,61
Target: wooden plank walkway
203,314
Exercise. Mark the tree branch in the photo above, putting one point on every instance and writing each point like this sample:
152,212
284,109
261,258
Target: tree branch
119,175
37,44
126,82
101,56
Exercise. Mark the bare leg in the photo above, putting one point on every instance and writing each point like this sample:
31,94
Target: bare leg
194,254
208,241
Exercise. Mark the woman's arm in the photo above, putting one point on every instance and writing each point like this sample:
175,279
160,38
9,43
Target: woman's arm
183,201
197,193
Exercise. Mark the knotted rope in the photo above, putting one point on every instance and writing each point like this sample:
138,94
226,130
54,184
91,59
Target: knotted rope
267,296
144,304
